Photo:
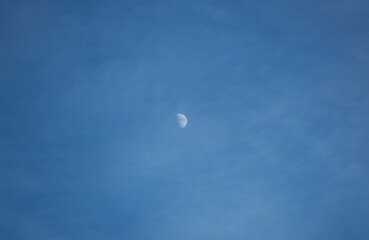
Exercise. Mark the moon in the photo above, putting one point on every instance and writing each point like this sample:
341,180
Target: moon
182,120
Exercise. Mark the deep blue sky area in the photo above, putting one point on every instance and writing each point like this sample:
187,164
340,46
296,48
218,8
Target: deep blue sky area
277,99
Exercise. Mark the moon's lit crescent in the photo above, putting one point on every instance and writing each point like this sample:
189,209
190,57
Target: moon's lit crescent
182,120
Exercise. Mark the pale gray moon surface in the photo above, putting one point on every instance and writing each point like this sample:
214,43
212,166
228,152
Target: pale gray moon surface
182,120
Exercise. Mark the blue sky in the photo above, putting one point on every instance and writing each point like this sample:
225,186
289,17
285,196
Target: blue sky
276,96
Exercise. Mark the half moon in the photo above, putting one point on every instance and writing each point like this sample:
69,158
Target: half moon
182,120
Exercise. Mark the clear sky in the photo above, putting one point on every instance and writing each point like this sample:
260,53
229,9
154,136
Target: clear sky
276,96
